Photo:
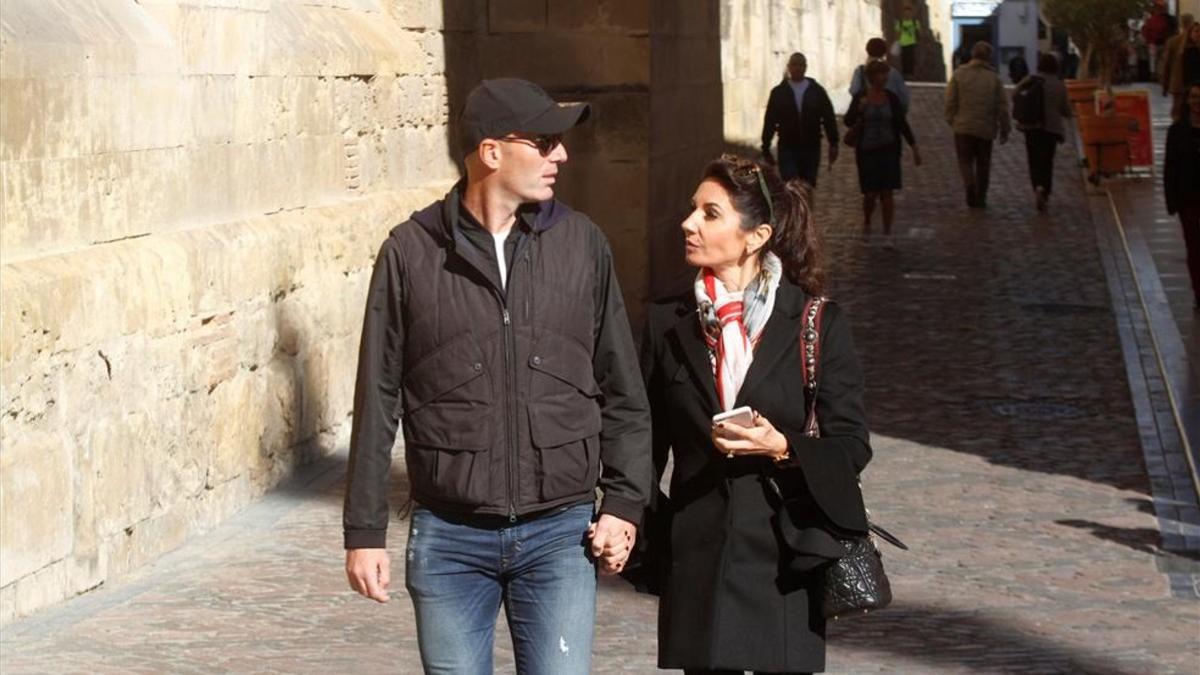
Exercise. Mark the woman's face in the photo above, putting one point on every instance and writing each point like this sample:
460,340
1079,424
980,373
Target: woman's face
1193,100
713,235
878,79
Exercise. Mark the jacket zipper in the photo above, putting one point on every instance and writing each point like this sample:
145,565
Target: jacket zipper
510,418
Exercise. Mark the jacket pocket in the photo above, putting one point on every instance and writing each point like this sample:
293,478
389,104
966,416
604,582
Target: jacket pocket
447,423
564,419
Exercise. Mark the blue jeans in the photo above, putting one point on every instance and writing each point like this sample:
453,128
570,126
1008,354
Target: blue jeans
800,162
460,569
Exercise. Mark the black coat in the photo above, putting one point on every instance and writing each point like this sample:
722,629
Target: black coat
1181,164
728,599
798,127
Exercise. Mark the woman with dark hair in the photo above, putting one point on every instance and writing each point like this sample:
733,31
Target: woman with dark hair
1181,179
883,122
1042,137
734,597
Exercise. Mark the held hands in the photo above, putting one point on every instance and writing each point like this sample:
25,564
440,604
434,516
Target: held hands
761,439
368,572
612,542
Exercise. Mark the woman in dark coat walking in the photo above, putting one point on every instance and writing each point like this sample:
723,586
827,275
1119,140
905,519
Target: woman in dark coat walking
734,598
1181,180
881,122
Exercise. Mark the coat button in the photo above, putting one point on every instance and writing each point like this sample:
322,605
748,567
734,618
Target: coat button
537,360
477,367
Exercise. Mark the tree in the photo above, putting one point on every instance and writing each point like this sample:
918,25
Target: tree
1100,28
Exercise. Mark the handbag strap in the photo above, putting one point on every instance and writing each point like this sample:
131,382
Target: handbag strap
810,359
810,363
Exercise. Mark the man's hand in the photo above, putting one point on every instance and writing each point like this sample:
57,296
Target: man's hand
916,156
833,154
368,570
612,541
767,157
1003,137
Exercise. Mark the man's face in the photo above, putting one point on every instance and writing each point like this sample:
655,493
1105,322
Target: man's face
524,171
796,69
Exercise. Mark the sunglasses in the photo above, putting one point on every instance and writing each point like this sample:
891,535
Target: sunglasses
743,169
545,143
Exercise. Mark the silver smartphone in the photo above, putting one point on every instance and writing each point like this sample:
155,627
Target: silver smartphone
743,416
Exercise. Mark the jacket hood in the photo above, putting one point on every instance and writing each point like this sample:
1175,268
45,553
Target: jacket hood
438,218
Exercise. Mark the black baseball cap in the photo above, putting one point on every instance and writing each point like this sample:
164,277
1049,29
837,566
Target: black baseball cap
496,108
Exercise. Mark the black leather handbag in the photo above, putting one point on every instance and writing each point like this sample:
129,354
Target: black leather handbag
855,583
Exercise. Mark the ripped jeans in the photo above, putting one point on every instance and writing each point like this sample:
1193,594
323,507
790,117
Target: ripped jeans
461,569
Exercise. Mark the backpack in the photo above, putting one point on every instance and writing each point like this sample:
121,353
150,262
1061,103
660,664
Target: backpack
1029,103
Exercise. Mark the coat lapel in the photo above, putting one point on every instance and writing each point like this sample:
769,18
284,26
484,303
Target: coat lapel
781,333
687,337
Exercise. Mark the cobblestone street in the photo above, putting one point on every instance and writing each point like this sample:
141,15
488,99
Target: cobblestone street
1007,457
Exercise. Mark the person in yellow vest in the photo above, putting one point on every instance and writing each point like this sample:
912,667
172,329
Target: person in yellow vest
907,30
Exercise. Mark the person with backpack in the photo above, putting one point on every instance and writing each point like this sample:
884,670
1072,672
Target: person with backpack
1039,106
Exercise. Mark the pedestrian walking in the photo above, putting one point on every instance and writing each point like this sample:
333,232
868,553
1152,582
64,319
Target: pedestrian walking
1181,181
734,597
1173,78
495,328
908,30
799,110
1040,105
877,51
1158,26
977,111
1018,69
877,123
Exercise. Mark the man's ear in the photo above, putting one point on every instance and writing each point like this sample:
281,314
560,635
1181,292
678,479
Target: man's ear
489,153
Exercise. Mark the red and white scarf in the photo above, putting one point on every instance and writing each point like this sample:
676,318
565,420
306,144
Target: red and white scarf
732,323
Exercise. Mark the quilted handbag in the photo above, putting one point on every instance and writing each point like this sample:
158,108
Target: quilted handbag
855,583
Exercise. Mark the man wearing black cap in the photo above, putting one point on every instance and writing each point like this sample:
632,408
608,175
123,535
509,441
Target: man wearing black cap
496,330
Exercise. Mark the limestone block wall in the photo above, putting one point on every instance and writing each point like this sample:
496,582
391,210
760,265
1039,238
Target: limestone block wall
686,126
193,193
757,36
596,51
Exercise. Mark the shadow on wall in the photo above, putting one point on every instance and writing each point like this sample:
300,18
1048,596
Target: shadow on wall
652,74
929,62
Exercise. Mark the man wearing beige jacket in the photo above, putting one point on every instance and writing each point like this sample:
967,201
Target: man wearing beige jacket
977,110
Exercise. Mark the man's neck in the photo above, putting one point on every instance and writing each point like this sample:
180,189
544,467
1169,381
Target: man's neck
496,213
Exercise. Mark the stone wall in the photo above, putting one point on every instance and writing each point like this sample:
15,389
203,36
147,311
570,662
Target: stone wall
193,193
757,36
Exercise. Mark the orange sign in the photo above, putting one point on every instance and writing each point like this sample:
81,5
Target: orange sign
1134,103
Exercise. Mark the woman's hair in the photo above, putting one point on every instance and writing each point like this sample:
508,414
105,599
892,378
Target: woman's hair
1048,63
877,48
794,234
876,68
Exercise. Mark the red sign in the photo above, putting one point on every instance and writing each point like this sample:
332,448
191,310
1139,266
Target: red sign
1135,104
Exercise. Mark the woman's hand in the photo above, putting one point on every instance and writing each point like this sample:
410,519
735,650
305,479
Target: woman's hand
760,440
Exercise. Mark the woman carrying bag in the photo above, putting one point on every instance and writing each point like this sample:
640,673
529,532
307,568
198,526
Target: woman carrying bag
738,593
877,121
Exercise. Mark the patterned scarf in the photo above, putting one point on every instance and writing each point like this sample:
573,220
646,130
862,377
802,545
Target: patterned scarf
733,324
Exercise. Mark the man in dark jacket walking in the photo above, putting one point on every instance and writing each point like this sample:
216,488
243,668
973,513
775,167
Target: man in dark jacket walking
495,329
798,109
